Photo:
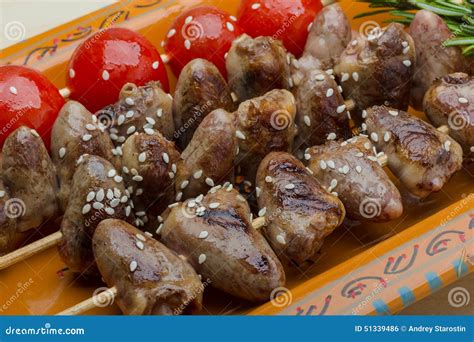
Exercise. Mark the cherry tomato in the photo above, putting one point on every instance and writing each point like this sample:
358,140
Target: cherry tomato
201,32
286,20
27,98
102,64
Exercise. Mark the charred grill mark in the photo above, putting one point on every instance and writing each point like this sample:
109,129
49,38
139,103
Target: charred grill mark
229,219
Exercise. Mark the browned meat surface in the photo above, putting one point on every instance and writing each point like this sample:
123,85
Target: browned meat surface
328,37
256,66
378,69
97,193
433,60
200,90
9,209
264,124
216,236
151,165
351,169
210,156
423,158
29,174
450,102
139,109
299,212
321,112
76,132
150,279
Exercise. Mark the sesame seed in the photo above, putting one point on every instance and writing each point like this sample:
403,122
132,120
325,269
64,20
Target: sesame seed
111,173
345,169
319,77
86,209
158,230
404,43
310,26
142,157
100,195
333,183
199,198
171,175
86,137
202,258
232,18
281,239
230,27
128,210
149,131
187,44
307,120
62,152
184,184
329,92
105,75
258,191
179,196
262,212
358,169
204,234
214,205
209,181
188,19
90,196
234,96
129,114
109,211
374,136
268,179
240,135
447,145
331,164
97,206
133,266
407,63
290,186
307,156
341,109
129,101
155,65
118,179
387,136
406,50
137,178
355,76
364,114
72,73
131,130
140,245
255,6
323,165
332,136
114,203
197,174
159,112
345,77
463,100
166,158
171,33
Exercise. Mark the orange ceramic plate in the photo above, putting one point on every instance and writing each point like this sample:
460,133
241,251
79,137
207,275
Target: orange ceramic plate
362,268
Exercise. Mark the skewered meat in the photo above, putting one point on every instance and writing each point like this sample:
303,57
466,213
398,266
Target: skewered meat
328,37
256,66
378,69
150,279
139,109
264,124
299,212
9,236
210,155
351,169
97,193
321,112
422,157
200,90
216,236
151,165
433,59
76,132
450,101
29,174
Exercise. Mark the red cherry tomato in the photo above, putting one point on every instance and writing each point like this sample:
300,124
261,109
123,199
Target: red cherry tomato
201,32
286,20
27,98
102,64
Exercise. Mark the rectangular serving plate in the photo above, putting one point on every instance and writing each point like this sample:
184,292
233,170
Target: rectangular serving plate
361,269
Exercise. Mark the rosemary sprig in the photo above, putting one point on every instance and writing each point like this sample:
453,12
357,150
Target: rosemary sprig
458,15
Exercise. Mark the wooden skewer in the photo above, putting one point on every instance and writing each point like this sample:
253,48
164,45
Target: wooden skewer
108,295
